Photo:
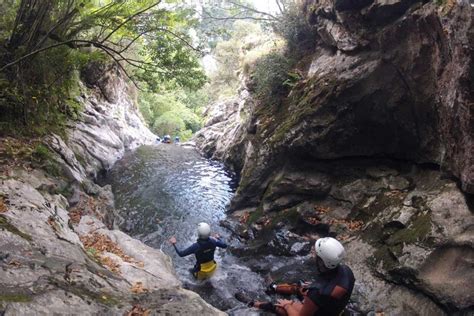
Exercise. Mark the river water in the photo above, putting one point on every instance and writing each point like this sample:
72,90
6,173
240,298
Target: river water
166,190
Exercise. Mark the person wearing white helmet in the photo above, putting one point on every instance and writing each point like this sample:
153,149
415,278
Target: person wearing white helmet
203,249
330,292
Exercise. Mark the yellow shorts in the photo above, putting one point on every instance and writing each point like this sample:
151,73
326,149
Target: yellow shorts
207,270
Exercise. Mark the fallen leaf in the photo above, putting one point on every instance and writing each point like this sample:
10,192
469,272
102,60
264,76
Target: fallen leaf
111,264
321,210
52,222
75,216
244,218
138,288
3,207
137,310
15,263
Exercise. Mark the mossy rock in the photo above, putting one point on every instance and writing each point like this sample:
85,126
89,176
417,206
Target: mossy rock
15,297
81,159
290,216
86,294
418,230
255,216
382,202
386,256
5,224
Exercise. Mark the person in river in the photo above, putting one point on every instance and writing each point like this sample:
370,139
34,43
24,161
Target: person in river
203,249
328,295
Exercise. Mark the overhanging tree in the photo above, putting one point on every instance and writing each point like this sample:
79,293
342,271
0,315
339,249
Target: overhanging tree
47,39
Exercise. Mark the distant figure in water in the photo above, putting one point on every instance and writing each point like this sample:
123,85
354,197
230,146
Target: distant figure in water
203,249
158,139
167,139
176,139
328,295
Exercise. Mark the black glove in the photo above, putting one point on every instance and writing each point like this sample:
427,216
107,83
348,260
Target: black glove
271,289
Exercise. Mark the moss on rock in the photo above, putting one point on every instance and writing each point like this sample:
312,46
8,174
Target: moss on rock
5,224
416,231
15,297
290,216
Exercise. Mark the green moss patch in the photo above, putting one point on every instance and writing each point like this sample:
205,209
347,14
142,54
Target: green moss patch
417,231
4,224
290,216
382,201
17,298
255,216
86,294
385,255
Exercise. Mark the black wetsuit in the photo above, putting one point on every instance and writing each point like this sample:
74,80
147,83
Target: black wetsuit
331,291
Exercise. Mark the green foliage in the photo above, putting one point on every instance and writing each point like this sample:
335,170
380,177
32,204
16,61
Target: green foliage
39,65
168,123
299,35
42,153
247,43
265,51
272,76
173,112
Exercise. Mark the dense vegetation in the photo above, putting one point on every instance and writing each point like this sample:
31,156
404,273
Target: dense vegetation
44,45
265,48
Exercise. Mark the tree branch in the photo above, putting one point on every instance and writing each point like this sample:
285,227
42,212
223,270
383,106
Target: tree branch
129,19
233,17
280,6
253,10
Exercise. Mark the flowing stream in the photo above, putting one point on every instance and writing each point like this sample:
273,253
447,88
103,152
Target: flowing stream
165,190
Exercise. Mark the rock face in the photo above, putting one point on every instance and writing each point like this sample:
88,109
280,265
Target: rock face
407,232
389,79
59,253
227,130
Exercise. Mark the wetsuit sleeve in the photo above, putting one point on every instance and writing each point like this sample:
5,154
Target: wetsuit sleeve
219,243
188,251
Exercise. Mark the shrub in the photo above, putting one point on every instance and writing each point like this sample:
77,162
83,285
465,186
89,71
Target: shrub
42,153
271,73
169,123
299,35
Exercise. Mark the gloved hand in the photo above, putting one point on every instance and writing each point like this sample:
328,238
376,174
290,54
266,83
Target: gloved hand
271,288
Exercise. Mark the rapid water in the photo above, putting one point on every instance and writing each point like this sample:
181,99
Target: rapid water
166,190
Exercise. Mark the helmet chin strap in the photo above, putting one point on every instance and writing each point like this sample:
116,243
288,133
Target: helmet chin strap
322,269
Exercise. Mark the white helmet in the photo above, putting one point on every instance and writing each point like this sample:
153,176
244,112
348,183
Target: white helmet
204,230
330,251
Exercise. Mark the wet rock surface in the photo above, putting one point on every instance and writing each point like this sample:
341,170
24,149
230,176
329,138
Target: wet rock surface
410,247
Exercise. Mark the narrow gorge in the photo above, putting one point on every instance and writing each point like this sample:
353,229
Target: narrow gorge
350,119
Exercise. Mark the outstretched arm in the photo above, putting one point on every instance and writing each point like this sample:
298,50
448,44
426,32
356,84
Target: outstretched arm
186,252
218,242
